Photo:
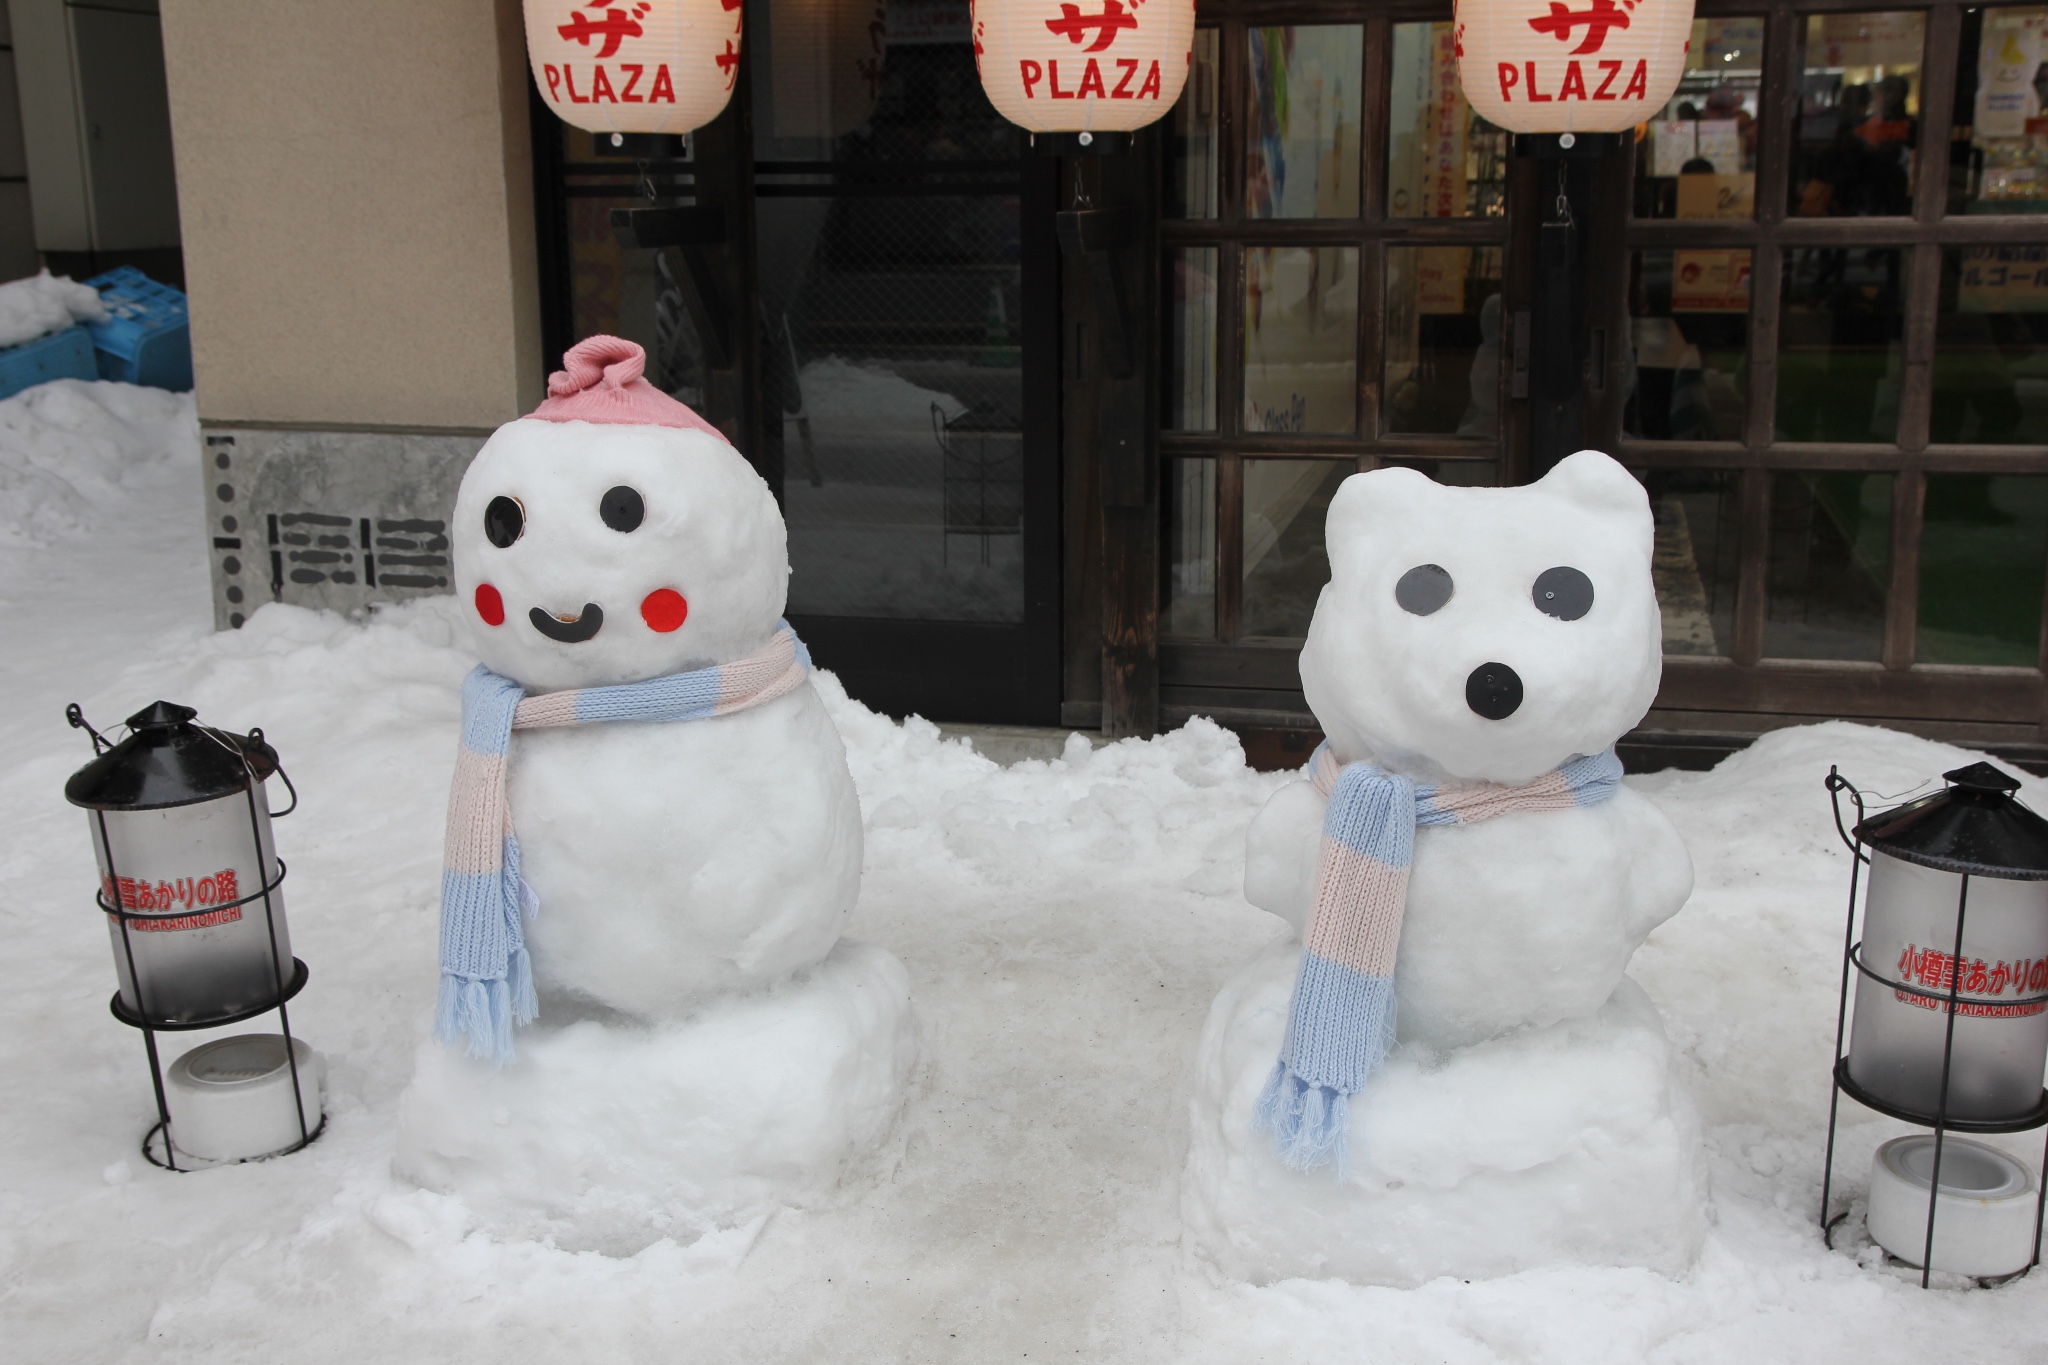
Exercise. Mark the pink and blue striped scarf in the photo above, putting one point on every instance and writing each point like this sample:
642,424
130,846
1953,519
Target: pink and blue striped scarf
1341,1020
486,976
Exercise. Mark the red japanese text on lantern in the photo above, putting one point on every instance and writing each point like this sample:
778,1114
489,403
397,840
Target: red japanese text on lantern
1083,65
221,891
650,66
1936,970
1557,66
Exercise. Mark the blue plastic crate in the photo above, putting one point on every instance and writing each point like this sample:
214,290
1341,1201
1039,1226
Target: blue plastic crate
59,355
148,340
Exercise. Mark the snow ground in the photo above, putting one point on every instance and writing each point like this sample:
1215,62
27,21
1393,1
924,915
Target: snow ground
1065,925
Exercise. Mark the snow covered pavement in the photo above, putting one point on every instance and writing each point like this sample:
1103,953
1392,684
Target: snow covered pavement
1065,926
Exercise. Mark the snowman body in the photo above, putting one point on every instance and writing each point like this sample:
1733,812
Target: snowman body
1530,1112
676,862
707,1046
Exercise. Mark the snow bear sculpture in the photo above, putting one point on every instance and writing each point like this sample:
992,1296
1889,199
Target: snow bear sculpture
1482,649
682,827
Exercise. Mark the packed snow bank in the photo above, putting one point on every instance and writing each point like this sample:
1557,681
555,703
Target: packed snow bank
76,455
1065,926
45,303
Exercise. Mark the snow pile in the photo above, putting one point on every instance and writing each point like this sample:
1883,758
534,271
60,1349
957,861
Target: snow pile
1065,927
75,454
45,303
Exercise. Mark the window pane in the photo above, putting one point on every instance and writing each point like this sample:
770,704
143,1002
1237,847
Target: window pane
2001,84
1690,329
1839,351
1190,607
1859,115
1698,159
1455,473
1694,566
1443,161
1302,161
1443,340
1982,554
1191,350
1830,562
1191,182
1991,346
1300,338
1285,567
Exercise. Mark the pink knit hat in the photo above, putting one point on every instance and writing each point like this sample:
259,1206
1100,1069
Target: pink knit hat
601,382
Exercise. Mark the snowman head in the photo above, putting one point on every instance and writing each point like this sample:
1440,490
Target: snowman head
1488,634
614,535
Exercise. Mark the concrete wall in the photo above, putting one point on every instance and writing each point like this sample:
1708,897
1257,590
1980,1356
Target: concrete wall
355,184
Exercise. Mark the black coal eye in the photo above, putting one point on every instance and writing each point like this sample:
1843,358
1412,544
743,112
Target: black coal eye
1563,592
622,509
1423,589
504,519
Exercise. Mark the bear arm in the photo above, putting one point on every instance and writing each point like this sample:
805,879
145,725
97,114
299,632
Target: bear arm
1661,875
1281,850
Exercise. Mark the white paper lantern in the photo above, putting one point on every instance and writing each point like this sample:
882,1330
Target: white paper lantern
635,66
1083,66
1571,66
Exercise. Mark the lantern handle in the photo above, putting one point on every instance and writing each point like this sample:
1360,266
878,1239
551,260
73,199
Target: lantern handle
76,716
1836,785
256,738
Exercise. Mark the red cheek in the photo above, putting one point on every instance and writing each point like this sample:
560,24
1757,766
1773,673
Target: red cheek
664,610
489,605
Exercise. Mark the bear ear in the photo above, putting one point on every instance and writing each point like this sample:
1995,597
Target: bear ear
1369,504
1597,483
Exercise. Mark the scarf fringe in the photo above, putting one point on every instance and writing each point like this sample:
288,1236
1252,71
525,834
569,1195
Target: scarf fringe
479,1014
1308,1122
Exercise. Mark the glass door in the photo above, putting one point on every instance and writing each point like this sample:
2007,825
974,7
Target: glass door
897,359
868,310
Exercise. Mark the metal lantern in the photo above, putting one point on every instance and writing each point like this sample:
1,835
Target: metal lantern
192,891
1951,1021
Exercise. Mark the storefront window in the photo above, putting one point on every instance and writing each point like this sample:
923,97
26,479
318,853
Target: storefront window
1859,115
1305,121
1300,338
1189,611
1443,161
1191,185
1443,340
1983,551
1830,565
1694,566
1191,349
2004,168
1991,347
1689,325
1285,566
1697,158
1839,357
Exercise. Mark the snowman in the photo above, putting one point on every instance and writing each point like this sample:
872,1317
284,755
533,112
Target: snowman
1444,1068
648,1024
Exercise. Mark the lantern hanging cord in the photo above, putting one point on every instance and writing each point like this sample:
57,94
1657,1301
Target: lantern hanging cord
646,182
1082,199
255,739
1564,203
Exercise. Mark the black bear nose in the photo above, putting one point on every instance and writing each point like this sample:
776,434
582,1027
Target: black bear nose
1494,691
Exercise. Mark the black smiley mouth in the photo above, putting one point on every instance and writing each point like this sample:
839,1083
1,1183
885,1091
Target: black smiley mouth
575,632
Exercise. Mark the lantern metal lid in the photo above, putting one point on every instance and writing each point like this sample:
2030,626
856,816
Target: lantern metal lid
167,760
1975,825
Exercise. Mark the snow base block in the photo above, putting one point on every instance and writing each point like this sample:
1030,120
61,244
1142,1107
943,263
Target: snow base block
609,1136
1573,1144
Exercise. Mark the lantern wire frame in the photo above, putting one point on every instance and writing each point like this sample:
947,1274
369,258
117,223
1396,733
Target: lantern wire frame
140,1018
1939,1121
